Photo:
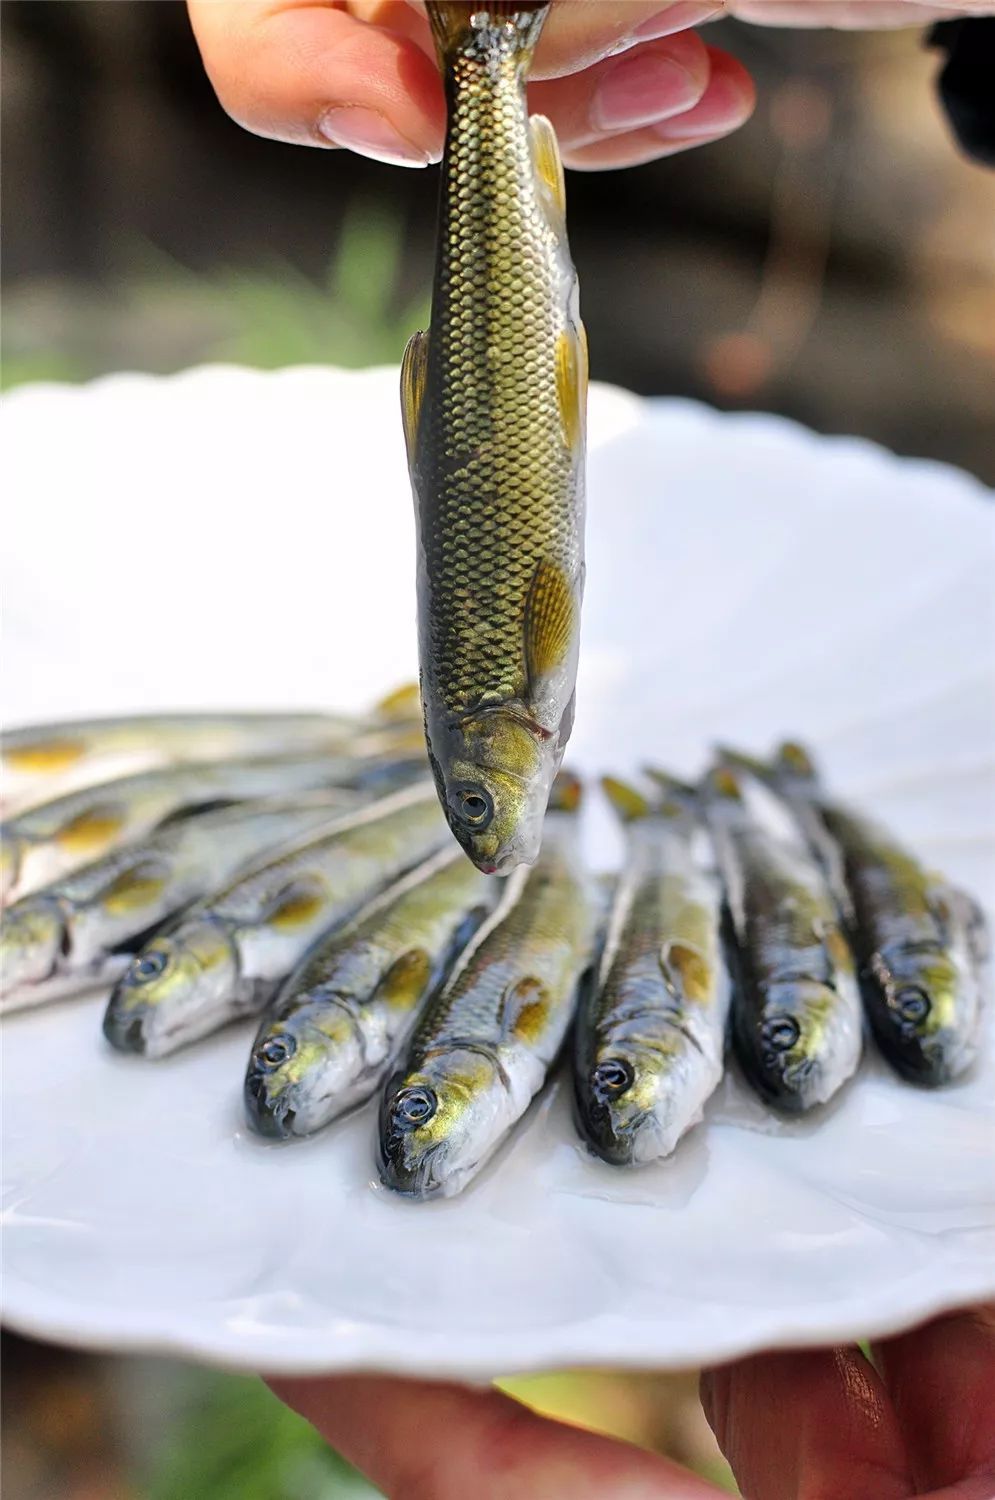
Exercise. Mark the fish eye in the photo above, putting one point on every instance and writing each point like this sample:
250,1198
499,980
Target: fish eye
612,1077
912,1005
413,1107
474,807
781,1033
275,1050
149,966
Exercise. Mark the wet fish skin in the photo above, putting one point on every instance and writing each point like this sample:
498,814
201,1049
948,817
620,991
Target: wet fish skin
330,1036
48,841
40,761
62,938
226,956
650,1030
483,1046
796,1017
918,939
494,405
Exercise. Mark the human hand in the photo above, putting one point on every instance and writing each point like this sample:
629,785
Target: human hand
794,1426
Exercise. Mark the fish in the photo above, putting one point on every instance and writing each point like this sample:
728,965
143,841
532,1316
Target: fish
650,1030
228,953
69,935
39,761
330,1036
484,1044
46,842
494,401
920,941
796,1013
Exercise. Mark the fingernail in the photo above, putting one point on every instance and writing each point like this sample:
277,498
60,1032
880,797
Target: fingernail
641,89
371,134
725,105
679,17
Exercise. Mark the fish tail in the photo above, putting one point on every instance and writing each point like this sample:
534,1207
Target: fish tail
567,793
453,22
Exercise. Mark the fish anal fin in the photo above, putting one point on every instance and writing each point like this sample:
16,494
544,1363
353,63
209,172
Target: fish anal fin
549,622
414,369
525,1007
686,971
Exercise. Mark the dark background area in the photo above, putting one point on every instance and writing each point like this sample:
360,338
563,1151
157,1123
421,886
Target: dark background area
832,261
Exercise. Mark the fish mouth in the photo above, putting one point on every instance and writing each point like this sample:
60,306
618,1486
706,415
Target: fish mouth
272,1118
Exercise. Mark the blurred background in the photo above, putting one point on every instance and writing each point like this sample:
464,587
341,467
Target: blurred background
832,262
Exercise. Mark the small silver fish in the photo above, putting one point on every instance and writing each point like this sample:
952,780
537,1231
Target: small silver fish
484,1045
42,761
330,1036
920,941
229,952
796,1017
64,937
650,1031
47,842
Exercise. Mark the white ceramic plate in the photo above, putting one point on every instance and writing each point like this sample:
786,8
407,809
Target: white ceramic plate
230,538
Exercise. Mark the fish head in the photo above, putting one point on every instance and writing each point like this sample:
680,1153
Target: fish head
923,1002
306,1068
802,1045
494,773
439,1122
33,936
633,1099
171,990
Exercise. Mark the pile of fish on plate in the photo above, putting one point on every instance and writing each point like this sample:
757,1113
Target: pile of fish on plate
318,884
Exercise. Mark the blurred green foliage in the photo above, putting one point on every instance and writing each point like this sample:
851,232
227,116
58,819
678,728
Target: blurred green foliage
170,317
236,1441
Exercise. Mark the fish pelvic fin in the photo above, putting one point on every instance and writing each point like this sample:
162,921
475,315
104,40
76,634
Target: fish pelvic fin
414,370
571,387
454,22
550,619
549,169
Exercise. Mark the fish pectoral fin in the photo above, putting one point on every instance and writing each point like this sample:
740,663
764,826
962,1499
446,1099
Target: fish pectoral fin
401,703
135,888
571,385
92,829
549,169
414,368
294,904
549,622
685,971
524,1008
404,983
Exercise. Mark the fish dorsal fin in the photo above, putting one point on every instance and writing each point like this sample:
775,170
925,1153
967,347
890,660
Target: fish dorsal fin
414,368
549,169
685,971
549,622
627,802
524,1008
399,705
571,386
403,984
